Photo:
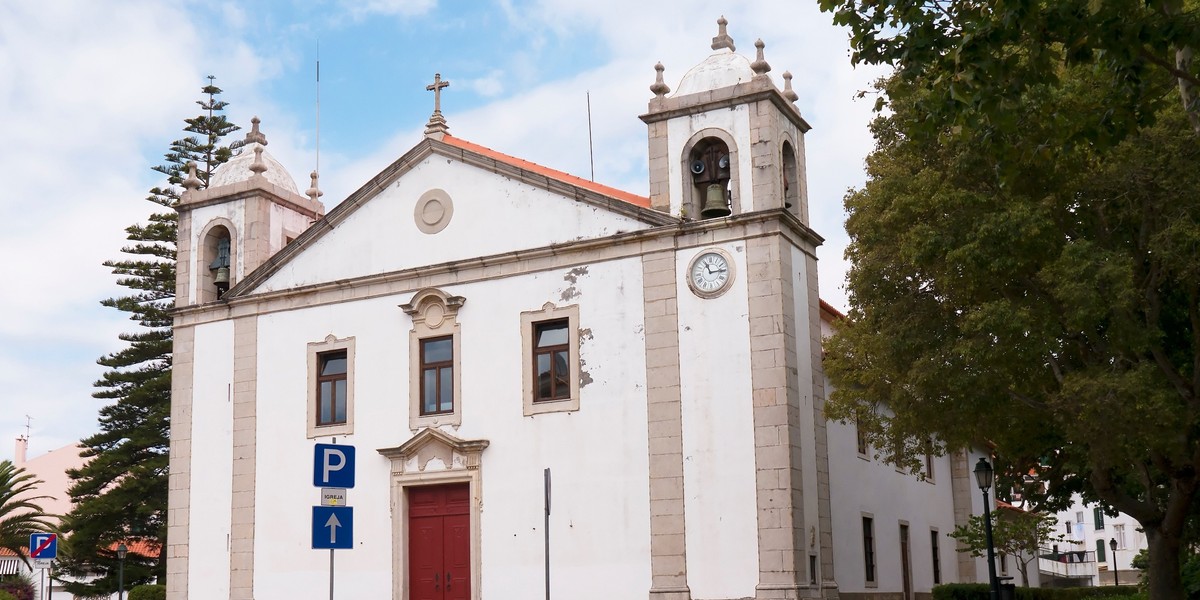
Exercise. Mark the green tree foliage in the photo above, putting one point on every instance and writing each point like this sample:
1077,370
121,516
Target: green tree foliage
1016,533
976,60
1051,307
17,587
148,592
121,493
20,514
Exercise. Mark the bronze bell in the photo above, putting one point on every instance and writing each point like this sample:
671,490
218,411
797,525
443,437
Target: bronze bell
222,277
714,203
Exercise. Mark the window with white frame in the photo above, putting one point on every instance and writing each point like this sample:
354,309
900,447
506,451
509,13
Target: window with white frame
331,387
551,365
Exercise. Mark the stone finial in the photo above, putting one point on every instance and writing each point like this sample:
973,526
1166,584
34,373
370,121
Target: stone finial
192,182
436,128
255,135
258,166
313,191
722,40
788,92
760,66
659,88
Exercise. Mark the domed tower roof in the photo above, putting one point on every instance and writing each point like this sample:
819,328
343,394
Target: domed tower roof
722,69
244,166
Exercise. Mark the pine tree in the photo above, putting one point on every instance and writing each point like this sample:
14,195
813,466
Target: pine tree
120,495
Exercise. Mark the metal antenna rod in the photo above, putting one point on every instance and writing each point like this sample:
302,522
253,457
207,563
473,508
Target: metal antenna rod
318,166
591,152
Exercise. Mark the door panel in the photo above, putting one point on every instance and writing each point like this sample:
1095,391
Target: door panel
425,551
457,545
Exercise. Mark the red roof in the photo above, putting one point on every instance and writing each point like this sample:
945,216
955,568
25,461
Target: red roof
7,552
566,178
139,547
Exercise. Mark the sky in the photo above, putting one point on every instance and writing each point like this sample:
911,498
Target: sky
92,94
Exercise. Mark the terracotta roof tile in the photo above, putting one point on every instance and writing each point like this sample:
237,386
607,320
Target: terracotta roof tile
567,178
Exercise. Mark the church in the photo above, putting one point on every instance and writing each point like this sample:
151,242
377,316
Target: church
551,387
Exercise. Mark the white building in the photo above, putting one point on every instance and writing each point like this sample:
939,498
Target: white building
467,319
1087,527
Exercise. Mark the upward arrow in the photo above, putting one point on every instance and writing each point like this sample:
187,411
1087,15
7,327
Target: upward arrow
333,523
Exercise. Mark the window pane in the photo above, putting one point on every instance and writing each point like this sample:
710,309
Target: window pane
324,403
552,334
561,373
339,401
447,388
439,350
333,364
543,375
430,401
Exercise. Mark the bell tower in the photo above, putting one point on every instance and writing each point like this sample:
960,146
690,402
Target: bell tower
728,141
250,210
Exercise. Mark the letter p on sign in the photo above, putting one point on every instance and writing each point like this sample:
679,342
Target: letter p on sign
333,466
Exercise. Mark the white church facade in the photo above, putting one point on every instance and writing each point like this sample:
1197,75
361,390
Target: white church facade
467,320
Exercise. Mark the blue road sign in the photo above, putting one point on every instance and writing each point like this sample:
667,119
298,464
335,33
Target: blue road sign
333,466
332,527
43,545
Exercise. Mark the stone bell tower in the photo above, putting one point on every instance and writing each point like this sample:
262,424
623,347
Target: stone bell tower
727,141
250,210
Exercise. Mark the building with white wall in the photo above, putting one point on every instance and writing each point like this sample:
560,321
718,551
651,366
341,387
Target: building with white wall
467,319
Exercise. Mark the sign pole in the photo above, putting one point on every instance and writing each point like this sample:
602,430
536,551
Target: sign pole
546,482
331,574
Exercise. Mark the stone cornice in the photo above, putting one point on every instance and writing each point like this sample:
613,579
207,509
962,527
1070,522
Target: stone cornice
661,109
508,264
255,186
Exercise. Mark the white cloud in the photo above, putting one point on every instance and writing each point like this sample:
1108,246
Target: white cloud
402,8
490,85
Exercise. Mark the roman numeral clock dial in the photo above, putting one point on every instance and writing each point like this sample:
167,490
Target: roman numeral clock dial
710,274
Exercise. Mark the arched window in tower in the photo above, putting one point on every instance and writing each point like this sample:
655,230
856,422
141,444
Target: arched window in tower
217,274
791,178
710,169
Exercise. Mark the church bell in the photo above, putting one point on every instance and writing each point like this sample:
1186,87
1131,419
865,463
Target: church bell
714,203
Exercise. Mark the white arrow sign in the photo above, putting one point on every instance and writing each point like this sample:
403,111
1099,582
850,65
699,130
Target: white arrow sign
333,523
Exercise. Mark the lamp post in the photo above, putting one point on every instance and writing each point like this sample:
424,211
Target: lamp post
983,476
121,552
1112,544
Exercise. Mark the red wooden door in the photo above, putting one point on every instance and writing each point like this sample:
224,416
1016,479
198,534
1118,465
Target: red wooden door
439,542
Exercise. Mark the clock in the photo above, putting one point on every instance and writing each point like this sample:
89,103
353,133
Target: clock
710,273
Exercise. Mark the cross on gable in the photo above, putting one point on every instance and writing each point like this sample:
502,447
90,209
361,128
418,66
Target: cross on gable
436,88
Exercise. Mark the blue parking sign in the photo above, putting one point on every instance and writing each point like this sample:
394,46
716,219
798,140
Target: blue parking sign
332,527
333,466
43,545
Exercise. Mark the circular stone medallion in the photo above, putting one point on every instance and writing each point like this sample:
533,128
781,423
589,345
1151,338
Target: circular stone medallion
433,211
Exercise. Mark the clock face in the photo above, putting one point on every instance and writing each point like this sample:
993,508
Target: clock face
709,273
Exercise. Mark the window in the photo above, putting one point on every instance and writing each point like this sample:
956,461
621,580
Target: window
551,361
1119,535
861,439
928,473
1098,513
1067,527
812,569
437,376
935,550
550,341
868,525
1101,556
435,359
331,387
1004,564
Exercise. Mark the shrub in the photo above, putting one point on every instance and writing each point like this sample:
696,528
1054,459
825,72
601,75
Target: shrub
20,586
6,596
981,591
148,592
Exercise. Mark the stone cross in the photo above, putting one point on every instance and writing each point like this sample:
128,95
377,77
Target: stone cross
436,88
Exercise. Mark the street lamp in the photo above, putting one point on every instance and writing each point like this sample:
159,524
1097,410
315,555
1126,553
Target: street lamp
1112,544
983,476
121,552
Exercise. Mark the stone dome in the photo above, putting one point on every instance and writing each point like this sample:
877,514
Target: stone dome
723,68
238,169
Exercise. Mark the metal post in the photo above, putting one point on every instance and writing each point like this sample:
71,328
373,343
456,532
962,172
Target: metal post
331,574
546,482
1116,571
121,579
987,522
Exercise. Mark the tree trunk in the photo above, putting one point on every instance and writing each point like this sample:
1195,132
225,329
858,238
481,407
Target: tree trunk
1164,580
